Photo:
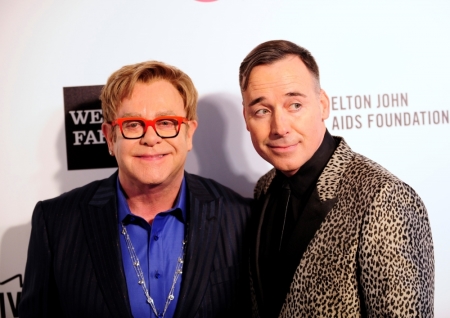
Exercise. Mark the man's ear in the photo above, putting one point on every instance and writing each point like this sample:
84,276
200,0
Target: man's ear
245,115
324,104
191,128
109,136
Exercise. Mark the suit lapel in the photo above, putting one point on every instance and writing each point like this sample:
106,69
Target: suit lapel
309,222
254,257
100,223
322,200
328,183
204,222
262,196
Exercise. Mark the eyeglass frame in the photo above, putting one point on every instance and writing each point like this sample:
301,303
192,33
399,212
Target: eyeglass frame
151,123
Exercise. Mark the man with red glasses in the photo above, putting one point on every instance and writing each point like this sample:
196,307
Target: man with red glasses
152,240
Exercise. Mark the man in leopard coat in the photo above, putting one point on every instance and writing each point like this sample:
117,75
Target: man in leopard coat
335,234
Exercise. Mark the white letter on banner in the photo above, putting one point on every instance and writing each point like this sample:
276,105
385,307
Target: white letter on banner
78,117
96,116
79,137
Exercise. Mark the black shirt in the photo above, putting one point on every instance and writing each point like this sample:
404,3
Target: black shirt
281,244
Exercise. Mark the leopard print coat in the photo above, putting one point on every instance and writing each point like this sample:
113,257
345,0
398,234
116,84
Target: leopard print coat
373,254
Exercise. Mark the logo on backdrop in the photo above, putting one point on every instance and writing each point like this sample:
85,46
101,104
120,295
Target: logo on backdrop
85,144
381,111
13,290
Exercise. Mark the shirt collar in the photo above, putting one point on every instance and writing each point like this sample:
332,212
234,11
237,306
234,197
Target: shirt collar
310,171
124,210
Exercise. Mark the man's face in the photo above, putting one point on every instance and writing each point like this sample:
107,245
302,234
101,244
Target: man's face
151,160
284,111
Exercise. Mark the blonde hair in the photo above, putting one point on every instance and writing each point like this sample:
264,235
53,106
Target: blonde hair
121,83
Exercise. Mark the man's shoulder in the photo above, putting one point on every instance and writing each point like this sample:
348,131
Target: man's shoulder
364,168
206,187
77,195
366,173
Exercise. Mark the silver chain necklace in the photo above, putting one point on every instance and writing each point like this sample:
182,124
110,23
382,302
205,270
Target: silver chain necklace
140,274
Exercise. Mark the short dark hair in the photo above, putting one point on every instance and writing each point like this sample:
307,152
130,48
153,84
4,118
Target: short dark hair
272,51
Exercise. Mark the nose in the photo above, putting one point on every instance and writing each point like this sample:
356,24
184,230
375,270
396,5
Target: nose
279,125
150,137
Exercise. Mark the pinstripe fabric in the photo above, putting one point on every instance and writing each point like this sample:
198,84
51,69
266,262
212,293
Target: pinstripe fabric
74,266
215,274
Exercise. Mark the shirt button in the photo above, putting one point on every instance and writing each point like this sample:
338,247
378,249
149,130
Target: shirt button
157,275
156,237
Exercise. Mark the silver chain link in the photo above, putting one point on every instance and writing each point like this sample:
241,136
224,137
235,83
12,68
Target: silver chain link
140,274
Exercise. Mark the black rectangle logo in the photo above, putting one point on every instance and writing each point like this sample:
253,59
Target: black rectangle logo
85,144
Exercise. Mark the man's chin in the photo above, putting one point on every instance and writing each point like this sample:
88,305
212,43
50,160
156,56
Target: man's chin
287,169
289,172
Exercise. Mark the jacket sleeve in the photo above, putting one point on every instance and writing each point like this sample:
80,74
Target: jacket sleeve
39,292
396,255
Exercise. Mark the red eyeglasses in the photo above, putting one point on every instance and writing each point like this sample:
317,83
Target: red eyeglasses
136,127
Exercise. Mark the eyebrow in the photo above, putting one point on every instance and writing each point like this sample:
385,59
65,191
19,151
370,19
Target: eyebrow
164,113
130,115
295,94
256,101
262,98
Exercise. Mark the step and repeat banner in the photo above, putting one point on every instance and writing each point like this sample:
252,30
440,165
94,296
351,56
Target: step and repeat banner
384,65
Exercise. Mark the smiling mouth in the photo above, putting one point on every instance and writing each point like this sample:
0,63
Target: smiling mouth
286,148
151,157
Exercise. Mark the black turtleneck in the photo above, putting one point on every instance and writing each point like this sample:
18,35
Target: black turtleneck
281,244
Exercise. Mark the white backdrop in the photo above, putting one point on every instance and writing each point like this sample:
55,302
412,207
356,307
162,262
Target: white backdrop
363,49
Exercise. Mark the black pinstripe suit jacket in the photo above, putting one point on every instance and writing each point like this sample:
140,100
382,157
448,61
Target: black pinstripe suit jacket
74,266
